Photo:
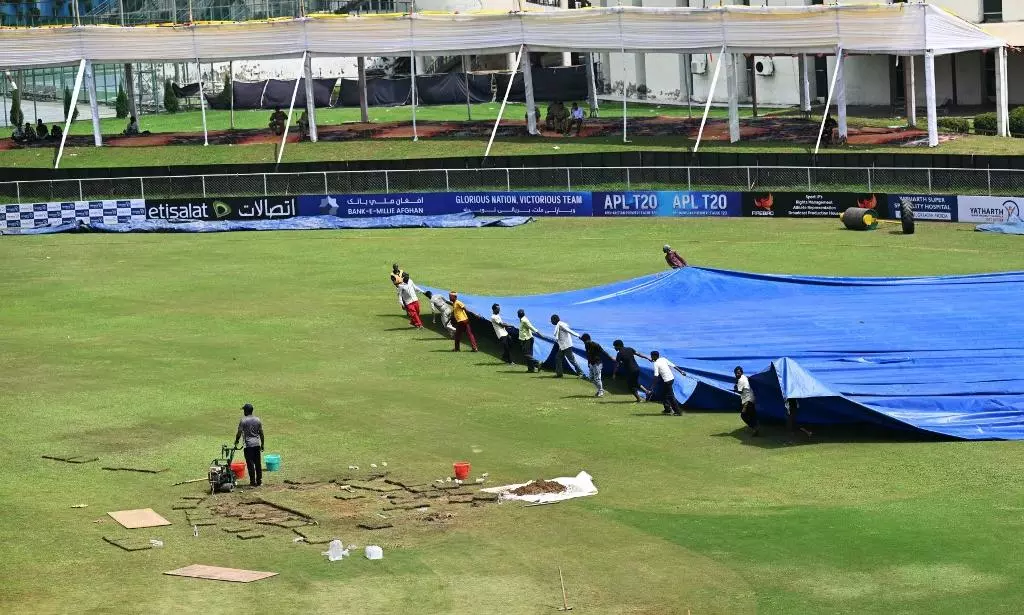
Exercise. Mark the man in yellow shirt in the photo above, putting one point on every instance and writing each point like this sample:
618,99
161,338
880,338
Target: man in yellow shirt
461,317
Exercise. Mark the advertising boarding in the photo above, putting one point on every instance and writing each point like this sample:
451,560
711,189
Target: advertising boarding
228,208
808,204
441,203
36,215
988,209
685,204
938,207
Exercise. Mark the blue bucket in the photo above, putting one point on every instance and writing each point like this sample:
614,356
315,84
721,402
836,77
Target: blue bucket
273,462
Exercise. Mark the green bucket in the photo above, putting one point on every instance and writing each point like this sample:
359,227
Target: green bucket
273,462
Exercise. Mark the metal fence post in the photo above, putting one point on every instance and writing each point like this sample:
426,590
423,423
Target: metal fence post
989,173
929,180
203,178
809,178
568,180
508,180
17,191
387,183
689,184
447,182
869,180
749,185
326,190
627,179
142,188
81,194
264,186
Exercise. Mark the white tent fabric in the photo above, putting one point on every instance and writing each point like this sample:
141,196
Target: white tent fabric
899,29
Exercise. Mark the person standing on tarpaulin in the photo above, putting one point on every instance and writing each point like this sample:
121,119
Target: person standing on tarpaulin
407,290
462,326
672,257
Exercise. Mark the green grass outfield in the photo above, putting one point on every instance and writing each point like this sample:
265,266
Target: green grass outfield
140,348
399,149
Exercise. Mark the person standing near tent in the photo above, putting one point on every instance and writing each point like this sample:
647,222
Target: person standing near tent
462,326
251,428
526,331
625,358
792,409
407,290
595,362
666,379
277,120
563,338
440,308
672,257
748,411
503,337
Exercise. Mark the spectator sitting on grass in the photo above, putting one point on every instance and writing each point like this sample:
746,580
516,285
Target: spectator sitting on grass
555,119
56,132
40,129
133,127
575,120
303,126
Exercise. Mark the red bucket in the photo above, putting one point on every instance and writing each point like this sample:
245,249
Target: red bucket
461,469
238,467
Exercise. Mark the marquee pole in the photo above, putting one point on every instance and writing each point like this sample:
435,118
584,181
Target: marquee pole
711,95
70,113
828,102
291,107
504,101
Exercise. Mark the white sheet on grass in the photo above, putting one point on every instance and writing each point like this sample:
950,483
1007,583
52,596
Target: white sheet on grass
577,486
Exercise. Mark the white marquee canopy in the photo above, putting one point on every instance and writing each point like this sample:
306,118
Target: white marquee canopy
897,29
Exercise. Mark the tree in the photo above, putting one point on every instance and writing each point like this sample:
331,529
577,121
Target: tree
171,103
67,105
121,103
223,98
17,117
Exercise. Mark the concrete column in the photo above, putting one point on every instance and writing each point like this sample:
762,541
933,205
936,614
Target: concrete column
591,84
640,60
1002,95
606,59
732,82
364,113
685,76
310,103
510,61
94,105
841,95
910,90
929,87
804,77
531,105
129,89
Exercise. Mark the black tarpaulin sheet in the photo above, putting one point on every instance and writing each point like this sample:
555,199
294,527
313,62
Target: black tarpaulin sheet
279,92
185,91
450,89
549,84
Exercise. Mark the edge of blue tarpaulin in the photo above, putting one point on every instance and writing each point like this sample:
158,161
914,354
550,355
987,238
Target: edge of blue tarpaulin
300,223
1014,226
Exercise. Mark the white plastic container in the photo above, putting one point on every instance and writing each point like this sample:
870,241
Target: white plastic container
374,552
335,550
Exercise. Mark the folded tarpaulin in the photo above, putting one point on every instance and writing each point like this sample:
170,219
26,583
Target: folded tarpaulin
937,354
1014,226
278,93
302,223
185,91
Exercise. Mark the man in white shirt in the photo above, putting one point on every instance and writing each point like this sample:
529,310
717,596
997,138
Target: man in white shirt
563,340
441,309
503,337
748,412
664,377
407,291
526,331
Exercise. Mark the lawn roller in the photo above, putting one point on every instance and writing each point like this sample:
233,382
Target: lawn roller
222,478
863,219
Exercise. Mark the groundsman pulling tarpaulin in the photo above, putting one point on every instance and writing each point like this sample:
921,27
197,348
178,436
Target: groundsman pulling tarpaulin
940,354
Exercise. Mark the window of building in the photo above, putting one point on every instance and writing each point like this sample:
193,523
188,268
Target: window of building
992,11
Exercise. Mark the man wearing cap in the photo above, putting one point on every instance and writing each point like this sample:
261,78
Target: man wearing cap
461,317
251,428
396,279
672,257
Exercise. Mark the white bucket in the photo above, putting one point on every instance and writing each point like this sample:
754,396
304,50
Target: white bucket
374,552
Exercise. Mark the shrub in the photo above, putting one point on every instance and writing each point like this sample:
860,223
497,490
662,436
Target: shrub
171,103
67,105
17,117
960,125
121,103
1017,121
986,124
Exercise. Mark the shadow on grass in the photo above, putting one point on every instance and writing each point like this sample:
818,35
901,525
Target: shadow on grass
774,435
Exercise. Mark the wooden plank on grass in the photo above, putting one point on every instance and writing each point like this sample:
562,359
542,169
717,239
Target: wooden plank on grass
216,573
142,517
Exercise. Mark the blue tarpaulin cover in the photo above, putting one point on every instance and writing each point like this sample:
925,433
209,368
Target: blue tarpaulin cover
939,354
301,223
1014,226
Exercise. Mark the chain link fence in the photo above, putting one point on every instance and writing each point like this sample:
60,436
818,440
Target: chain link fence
980,182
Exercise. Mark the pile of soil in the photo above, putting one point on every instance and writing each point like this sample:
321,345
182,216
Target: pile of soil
539,487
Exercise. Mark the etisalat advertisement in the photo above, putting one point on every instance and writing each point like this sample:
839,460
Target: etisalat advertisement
226,208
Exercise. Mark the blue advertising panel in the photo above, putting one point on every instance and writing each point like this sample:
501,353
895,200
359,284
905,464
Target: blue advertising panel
438,203
926,206
683,204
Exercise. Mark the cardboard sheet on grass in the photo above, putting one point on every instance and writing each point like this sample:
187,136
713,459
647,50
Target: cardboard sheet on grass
216,573
143,517
577,486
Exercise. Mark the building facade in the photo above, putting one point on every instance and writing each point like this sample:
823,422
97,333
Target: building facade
965,79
